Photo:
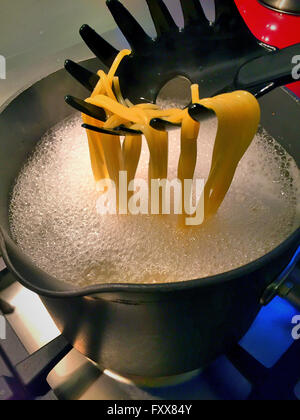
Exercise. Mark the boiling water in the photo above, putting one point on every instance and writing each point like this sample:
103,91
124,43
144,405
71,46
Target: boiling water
53,215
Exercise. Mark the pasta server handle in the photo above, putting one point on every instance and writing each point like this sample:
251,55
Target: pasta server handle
272,70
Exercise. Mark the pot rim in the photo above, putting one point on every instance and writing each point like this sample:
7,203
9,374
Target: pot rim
185,285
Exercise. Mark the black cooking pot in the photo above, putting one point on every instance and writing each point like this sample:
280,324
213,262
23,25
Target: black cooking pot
142,330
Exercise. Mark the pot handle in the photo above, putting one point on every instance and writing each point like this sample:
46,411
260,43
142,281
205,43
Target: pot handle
281,287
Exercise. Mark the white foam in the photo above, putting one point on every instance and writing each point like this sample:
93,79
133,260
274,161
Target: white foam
53,215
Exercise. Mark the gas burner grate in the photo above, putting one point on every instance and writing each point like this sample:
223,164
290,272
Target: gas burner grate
15,372
28,379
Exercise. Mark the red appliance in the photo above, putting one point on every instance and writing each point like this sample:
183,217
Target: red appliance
274,28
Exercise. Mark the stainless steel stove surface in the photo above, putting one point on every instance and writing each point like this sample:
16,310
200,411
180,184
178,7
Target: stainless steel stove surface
264,366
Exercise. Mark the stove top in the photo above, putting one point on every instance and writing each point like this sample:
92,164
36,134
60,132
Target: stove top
36,363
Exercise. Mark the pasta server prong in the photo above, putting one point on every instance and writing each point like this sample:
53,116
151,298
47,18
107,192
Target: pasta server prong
85,77
119,131
86,108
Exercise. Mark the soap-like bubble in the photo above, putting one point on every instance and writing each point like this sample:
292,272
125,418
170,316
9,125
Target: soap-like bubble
53,215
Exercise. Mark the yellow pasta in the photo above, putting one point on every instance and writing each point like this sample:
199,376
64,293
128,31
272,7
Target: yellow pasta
116,64
132,147
238,116
98,162
188,155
